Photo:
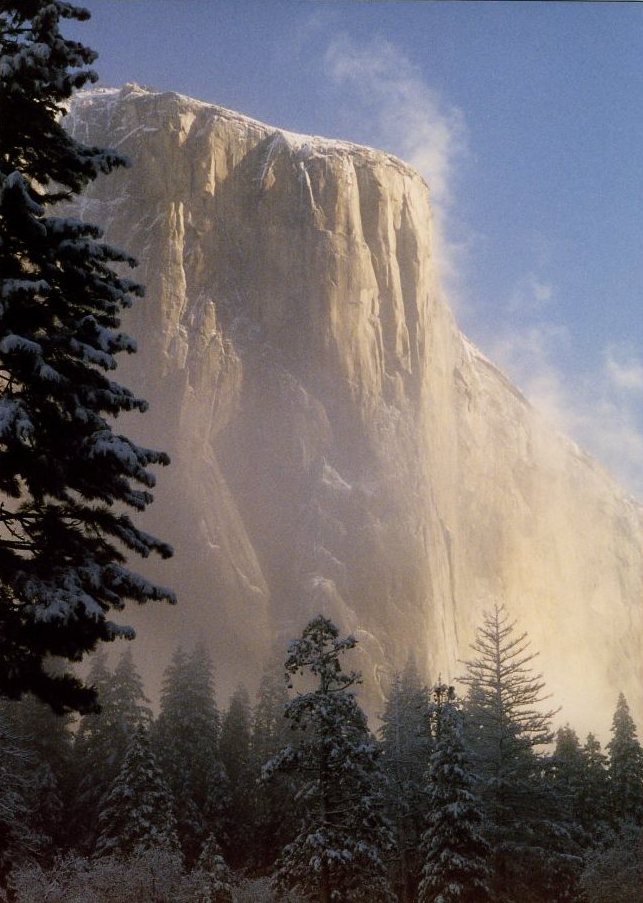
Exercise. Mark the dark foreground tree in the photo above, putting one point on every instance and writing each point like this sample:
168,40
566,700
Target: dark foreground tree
214,878
62,468
234,753
16,839
137,812
186,743
46,743
625,767
273,816
456,855
594,795
338,853
102,740
406,744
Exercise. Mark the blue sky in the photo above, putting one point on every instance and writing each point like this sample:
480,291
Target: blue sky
527,120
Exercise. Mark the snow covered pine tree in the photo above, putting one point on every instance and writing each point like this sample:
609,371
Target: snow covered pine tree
338,853
234,753
61,466
102,740
136,813
456,855
506,726
212,875
273,818
186,742
406,744
625,767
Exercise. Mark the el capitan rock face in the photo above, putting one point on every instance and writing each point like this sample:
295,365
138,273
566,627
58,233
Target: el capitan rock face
337,444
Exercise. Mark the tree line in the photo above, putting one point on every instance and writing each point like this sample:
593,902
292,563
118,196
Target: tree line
464,797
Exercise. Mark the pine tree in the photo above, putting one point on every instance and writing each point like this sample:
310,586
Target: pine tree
567,757
234,745
506,729
566,769
16,840
137,812
594,792
103,738
217,815
273,817
62,468
129,706
625,767
579,781
455,853
234,752
186,741
46,741
338,853
214,877
93,763
270,728
406,742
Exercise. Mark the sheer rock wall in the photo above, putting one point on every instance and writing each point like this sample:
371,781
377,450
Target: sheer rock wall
337,444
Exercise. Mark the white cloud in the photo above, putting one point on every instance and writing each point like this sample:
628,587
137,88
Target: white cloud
405,114
389,104
531,294
624,370
596,409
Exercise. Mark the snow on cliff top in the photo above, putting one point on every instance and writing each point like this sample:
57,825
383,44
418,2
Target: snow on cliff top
302,145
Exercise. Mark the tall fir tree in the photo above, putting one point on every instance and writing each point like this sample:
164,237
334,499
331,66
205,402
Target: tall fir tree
339,852
507,729
186,742
579,782
567,776
274,819
137,813
625,767
17,842
406,742
455,854
234,752
593,798
46,740
66,478
103,738
215,880
271,729
93,763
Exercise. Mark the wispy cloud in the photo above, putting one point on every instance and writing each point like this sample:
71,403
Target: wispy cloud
406,114
624,369
531,294
599,408
389,104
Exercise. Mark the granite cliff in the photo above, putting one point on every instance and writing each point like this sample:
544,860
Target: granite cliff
337,444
